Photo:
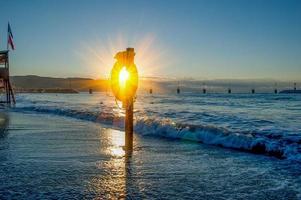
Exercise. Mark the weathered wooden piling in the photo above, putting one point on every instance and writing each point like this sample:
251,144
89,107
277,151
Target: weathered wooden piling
129,124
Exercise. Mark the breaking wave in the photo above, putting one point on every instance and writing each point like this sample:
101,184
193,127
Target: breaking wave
280,146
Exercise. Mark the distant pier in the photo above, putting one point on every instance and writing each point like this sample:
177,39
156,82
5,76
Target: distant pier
290,92
293,91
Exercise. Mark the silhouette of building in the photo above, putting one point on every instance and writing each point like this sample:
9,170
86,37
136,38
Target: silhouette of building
4,77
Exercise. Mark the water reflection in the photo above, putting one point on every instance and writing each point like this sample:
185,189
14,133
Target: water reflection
114,171
117,140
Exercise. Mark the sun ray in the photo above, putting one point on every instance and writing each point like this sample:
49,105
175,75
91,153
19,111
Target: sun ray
98,56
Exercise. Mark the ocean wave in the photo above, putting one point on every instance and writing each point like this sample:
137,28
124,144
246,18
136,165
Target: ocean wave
280,146
286,147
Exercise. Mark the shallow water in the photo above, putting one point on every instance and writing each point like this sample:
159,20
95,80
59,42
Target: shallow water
261,123
45,156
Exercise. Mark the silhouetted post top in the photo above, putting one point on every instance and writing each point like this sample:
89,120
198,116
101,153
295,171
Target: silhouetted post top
126,57
130,49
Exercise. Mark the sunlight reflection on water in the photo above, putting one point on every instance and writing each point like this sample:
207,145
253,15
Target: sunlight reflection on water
111,182
117,142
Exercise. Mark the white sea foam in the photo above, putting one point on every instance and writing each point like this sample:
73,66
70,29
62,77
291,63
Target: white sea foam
281,147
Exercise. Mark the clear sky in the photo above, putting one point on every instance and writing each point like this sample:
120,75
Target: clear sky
178,39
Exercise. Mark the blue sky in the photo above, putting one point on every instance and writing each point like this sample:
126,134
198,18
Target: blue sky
210,39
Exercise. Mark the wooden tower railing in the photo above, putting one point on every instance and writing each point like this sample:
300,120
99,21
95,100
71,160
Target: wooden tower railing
4,78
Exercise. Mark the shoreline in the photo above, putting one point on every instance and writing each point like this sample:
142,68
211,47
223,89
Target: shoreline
214,136
43,150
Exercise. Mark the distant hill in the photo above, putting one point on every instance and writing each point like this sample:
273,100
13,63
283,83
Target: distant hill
158,85
38,82
32,83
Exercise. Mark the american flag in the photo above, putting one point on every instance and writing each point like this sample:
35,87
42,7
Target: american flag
10,38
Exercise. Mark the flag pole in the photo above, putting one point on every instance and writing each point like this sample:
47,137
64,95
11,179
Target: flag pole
7,37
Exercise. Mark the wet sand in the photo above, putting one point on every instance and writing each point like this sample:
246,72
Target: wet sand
51,157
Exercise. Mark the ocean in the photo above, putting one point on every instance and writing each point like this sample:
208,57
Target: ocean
186,146
267,124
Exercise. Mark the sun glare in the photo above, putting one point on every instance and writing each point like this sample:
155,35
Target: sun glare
123,77
151,56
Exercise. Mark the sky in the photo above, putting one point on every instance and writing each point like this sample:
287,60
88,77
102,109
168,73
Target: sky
211,39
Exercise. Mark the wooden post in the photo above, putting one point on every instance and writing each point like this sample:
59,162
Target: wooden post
6,91
129,124
12,94
178,88
126,93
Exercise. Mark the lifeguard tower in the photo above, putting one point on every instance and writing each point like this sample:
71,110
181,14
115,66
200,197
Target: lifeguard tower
5,86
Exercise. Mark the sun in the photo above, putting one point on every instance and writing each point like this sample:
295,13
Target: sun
123,77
